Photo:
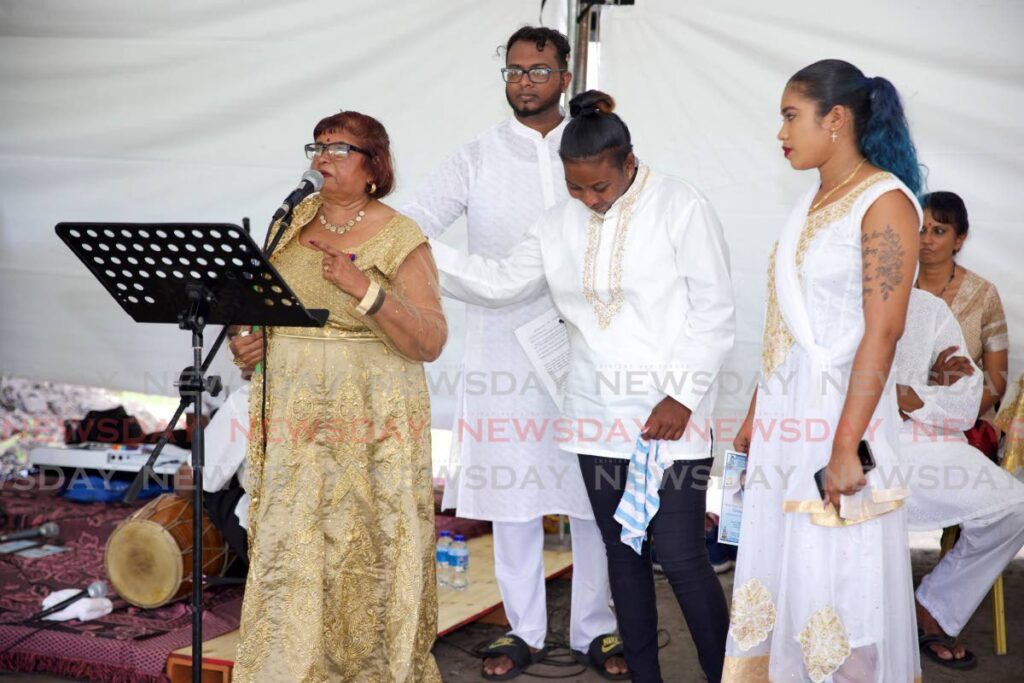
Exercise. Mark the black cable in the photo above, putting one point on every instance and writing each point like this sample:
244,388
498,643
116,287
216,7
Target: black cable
25,637
263,400
42,627
269,245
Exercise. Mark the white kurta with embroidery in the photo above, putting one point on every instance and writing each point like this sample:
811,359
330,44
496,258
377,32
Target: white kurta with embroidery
645,293
814,598
504,463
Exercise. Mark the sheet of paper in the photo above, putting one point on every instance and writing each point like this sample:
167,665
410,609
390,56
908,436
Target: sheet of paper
733,483
15,546
546,343
41,551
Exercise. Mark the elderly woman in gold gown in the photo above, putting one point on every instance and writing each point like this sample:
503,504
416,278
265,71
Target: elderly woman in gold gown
341,583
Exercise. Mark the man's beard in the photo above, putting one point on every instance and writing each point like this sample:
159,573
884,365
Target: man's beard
543,107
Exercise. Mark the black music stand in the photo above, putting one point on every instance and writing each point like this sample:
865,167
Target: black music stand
192,275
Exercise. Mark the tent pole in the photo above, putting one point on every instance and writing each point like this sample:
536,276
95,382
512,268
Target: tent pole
579,37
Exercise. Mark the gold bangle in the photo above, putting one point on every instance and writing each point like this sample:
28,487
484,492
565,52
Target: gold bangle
369,299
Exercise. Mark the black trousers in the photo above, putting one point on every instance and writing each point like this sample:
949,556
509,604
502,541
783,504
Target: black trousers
220,506
678,532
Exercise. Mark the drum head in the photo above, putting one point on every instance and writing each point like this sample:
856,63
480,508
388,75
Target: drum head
144,563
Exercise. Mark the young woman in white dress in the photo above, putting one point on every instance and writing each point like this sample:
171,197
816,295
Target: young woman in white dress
823,587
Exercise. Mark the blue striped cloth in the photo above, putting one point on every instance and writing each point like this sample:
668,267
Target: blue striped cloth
641,500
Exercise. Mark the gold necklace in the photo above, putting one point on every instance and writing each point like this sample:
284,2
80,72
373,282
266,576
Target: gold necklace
341,229
814,207
917,283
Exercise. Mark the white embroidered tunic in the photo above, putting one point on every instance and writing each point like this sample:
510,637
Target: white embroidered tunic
646,296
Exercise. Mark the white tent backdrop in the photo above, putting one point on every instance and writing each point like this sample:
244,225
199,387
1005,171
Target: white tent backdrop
699,84
159,111
197,111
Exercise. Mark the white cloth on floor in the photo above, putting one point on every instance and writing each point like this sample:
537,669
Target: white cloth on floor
519,569
504,463
951,482
83,609
641,498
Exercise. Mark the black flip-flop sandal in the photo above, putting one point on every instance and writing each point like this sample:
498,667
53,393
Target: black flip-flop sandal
600,651
516,649
925,640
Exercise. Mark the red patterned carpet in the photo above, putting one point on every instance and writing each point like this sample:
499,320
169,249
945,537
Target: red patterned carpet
129,644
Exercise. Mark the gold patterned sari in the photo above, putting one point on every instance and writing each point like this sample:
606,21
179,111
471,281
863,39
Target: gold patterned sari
341,583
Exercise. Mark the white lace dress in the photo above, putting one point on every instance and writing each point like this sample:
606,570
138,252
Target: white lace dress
816,598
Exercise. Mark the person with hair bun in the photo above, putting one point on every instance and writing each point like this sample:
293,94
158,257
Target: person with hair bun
823,588
638,270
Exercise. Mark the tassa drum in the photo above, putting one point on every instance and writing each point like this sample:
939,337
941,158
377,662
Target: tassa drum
149,555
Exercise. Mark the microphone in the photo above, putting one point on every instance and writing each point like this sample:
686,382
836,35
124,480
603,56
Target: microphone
96,589
48,530
311,182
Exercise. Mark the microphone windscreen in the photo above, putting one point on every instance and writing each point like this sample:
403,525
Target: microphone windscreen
97,589
315,178
49,530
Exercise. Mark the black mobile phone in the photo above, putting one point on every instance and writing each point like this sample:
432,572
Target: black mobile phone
867,463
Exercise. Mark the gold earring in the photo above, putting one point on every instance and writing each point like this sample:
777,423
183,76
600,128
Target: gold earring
834,136
373,189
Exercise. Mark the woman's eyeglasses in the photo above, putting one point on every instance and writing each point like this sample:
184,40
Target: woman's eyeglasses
335,150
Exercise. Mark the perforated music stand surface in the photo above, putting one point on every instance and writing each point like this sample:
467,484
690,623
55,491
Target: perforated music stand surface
147,267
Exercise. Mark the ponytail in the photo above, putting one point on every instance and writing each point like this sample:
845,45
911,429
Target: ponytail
885,140
880,123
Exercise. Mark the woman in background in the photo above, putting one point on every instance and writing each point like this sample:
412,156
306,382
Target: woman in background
975,303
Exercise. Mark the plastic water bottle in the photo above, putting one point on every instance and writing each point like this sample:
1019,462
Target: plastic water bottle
444,566
458,557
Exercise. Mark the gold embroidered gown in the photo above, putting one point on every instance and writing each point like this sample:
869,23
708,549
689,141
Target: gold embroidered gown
341,582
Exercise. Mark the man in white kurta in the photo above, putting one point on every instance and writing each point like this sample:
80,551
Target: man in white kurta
951,482
506,466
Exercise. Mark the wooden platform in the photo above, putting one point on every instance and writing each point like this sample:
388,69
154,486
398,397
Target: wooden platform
455,609
458,608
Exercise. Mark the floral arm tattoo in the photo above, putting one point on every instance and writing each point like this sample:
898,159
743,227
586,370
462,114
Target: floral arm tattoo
882,253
